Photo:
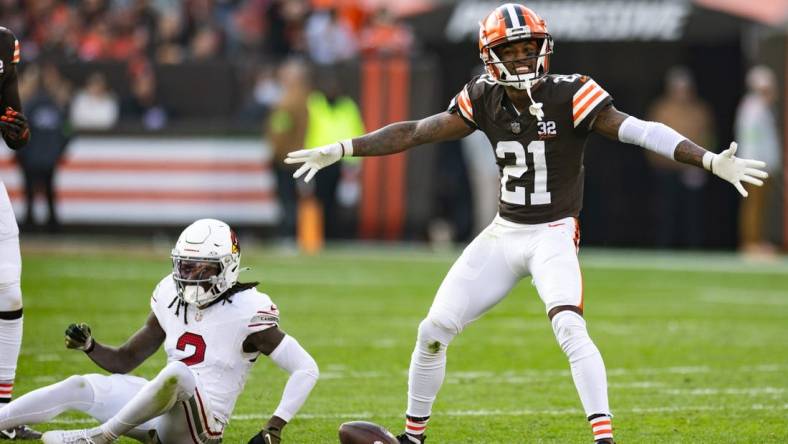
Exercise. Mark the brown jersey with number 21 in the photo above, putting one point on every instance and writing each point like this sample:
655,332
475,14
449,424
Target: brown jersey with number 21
540,162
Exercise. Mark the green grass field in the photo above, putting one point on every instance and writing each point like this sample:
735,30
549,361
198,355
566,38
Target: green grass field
696,346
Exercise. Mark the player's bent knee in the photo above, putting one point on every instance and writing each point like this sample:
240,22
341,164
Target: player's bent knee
433,333
572,335
178,379
77,383
10,298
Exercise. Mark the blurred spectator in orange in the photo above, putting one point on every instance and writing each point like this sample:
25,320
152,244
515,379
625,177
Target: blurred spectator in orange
95,43
678,187
95,106
756,133
285,130
329,39
45,95
142,106
385,35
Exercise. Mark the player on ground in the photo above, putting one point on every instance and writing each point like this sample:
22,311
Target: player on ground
15,132
213,329
538,124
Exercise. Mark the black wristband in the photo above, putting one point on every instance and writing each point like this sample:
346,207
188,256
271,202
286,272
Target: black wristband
91,347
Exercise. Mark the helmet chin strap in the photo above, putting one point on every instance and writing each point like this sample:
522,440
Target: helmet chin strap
536,107
521,82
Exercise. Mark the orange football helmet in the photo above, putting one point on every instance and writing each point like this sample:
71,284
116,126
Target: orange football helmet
508,23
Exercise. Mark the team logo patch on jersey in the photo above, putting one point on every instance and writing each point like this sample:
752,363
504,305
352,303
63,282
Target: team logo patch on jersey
546,129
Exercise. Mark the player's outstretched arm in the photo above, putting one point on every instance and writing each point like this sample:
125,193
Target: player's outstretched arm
390,139
288,354
665,141
122,359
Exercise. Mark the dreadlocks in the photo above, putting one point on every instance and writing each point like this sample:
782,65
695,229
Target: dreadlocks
224,298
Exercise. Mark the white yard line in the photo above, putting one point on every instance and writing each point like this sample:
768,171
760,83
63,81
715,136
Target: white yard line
486,413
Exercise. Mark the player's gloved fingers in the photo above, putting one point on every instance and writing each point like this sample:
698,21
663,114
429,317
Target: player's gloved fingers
300,154
740,188
311,174
731,149
300,171
291,160
756,173
752,163
752,180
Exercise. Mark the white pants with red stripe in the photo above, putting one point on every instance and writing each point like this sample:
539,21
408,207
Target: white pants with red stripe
502,255
499,257
187,422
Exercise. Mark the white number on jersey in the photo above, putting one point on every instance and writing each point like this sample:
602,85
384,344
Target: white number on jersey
566,78
540,196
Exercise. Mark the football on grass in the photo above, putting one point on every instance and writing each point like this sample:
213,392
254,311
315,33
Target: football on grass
363,432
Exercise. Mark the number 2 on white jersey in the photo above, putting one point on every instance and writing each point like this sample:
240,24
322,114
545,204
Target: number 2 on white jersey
540,196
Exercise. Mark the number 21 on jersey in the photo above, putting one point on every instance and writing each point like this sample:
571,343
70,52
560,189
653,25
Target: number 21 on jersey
540,195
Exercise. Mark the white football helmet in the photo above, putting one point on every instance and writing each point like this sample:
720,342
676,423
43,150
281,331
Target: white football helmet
206,261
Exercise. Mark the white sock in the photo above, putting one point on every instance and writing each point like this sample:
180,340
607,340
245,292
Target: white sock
10,344
585,361
46,403
174,383
427,368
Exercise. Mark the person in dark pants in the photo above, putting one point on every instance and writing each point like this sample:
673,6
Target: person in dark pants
285,129
39,161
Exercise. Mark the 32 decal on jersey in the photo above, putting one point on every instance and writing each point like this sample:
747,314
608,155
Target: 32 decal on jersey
517,196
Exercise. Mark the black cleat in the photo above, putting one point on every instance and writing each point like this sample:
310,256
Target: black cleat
410,439
605,441
19,433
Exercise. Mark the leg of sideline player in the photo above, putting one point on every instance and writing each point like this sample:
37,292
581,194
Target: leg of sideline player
10,310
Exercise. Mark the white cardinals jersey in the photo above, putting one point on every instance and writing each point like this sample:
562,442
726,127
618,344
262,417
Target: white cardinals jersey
210,341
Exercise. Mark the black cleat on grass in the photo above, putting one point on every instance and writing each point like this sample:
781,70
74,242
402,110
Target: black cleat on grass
19,433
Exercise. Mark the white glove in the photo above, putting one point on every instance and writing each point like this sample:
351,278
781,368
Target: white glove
316,158
735,170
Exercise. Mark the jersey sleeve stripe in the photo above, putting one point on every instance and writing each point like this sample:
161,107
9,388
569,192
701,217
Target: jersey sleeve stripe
16,57
583,92
261,323
595,100
465,106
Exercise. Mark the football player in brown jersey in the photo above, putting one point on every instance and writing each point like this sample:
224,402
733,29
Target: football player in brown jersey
15,133
538,124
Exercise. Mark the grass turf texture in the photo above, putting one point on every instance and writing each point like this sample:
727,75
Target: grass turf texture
696,346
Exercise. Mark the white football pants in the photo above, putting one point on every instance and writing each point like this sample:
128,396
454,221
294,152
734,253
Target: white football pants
10,296
487,270
189,421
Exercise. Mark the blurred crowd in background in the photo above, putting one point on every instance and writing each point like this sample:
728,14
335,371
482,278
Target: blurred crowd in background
143,34
268,67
